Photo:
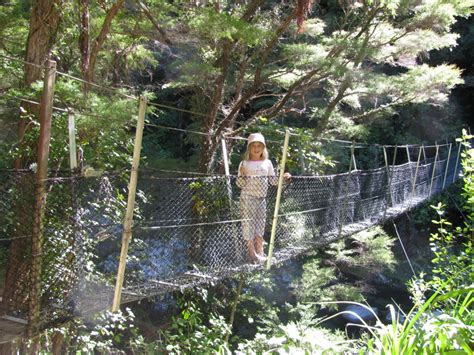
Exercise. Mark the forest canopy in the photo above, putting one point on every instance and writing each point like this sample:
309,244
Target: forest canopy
335,68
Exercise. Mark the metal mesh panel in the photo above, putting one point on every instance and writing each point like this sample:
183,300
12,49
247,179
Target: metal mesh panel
373,195
400,183
16,222
186,230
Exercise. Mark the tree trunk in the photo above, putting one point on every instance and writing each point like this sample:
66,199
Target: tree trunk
84,44
100,40
58,341
210,142
44,23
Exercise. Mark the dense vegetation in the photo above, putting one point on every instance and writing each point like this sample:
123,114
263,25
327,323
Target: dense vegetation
369,71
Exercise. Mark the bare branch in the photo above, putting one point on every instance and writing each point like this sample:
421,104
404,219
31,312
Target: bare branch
99,41
149,15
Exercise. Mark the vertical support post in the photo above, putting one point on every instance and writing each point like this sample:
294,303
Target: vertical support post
234,243
72,140
353,158
389,177
346,197
132,187
424,153
416,173
226,169
278,198
394,156
45,117
447,164
434,168
457,162
409,163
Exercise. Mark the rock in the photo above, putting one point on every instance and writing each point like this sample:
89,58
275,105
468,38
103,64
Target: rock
358,312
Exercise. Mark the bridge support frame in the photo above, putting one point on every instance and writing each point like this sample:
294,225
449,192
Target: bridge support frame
457,162
389,177
72,140
416,173
45,118
447,165
434,168
132,188
278,199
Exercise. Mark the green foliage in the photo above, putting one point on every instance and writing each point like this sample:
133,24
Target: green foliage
425,330
320,283
108,332
453,247
372,250
441,323
223,25
196,330
369,253
208,200
303,335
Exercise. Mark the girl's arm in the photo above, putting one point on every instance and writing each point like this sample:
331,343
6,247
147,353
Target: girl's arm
272,179
241,181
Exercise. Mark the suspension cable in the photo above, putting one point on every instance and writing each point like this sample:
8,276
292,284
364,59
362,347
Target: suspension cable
404,251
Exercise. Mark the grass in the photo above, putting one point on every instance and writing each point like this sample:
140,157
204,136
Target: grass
426,329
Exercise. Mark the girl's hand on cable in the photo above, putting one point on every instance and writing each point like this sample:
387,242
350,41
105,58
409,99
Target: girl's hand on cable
287,176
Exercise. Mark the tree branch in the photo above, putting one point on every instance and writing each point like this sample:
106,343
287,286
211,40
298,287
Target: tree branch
148,14
99,41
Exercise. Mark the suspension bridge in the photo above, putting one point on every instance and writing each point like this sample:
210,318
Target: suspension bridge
68,231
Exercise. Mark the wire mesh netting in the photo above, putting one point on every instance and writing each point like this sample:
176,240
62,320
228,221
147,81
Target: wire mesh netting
79,214
187,230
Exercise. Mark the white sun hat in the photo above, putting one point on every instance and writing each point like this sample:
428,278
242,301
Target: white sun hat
255,137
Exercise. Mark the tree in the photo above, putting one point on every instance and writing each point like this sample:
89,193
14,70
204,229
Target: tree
88,54
251,61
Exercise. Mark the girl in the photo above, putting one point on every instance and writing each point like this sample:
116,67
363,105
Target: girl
255,172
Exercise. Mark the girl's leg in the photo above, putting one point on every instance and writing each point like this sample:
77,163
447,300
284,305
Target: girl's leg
260,228
259,246
252,256
247,206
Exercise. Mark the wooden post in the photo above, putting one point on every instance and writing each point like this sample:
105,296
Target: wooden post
416,173
226,168
394,156
434,168
389,176
72,141
457,162
278,198
447,165
353,158
46,112
132,187
234,244
409,163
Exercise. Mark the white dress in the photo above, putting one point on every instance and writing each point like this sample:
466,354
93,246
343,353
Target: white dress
254,187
